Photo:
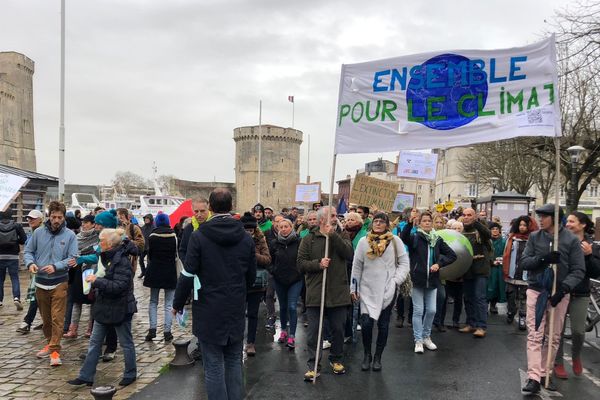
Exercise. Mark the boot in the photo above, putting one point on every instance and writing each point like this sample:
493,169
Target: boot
90,326
377,362
560,372
366,363
72,332
577,366
151,335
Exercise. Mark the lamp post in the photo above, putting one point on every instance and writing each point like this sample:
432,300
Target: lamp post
574,153
494,182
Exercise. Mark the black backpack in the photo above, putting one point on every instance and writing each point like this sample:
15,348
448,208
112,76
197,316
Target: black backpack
8,234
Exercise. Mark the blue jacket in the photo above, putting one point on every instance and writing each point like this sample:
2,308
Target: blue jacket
51,248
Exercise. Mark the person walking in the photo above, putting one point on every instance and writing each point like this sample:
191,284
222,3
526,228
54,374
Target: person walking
475,279
114,306
583,228
257,291
379,267
570,271
161,273
35,219
428,253
134,233
222,257
12,236
496,289
47,254
514,275
288,280
312,262
147,229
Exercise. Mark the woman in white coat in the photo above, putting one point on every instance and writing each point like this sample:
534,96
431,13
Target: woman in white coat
380,265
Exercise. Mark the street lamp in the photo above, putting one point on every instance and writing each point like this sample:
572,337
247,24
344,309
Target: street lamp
494,181
574,153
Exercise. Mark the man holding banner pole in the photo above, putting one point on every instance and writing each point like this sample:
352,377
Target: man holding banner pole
322,256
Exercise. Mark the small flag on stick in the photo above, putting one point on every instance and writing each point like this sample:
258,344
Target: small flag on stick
291,99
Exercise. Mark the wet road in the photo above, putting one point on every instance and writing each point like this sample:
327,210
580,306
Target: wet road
462,368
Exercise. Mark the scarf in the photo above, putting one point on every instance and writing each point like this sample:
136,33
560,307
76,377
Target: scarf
378,243
86,239
353,230
286,239
196,224
432,237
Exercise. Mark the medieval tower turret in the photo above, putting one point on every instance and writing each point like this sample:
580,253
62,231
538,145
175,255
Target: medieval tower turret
280,166
17,144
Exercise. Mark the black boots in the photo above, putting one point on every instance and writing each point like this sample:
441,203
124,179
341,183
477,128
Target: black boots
366,363
377,362
151,335
531,387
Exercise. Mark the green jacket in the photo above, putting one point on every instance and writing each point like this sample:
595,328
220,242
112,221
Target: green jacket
310,253
266,226
361,234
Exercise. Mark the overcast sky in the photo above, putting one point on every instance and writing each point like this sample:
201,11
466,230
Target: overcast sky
168,81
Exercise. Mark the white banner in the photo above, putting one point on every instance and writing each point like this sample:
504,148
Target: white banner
308,193
9,188
417,165
450,98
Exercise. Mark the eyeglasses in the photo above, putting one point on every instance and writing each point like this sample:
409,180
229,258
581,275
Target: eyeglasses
379,221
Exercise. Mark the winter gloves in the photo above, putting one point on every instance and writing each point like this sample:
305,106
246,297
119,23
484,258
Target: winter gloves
551,258
558,296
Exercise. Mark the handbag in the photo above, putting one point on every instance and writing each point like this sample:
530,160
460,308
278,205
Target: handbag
262,279
406,287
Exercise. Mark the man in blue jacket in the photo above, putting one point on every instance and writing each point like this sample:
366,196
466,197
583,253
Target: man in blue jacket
47,254
220,265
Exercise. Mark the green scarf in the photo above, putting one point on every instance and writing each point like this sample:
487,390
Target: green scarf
432,237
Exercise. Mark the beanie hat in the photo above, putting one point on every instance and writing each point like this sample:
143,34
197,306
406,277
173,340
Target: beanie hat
162,219
258,207
494,225
107,219
248,220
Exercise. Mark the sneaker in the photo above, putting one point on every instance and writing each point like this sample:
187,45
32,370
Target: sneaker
429,345
479,333
79,382
577,366
55,360
510,317
126,381
337,368
24,328
560,372
310,375
531,387
291,343
326,344
419,348
18,304
43,353
522,324
1,304
168,336
250,350
282,337
467,329
551,387
108,357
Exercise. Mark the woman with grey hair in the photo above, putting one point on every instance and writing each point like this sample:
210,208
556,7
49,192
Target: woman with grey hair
114,306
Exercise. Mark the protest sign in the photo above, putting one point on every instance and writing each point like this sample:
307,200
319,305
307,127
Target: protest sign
449,98
417,165
9,188
308,192
368,191
403,200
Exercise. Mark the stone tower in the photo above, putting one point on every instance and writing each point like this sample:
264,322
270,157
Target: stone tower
280,166
17,143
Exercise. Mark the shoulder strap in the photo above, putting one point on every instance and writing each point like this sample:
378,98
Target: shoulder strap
395,251
131,231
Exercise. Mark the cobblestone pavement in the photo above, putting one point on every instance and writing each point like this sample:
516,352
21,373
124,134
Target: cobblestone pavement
22,375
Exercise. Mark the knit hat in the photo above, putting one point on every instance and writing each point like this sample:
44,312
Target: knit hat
258,207
494,225
269,208
88,218
162,219
107,219
248,220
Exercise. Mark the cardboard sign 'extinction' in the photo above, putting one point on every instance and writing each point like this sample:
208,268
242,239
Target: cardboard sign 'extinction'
367,191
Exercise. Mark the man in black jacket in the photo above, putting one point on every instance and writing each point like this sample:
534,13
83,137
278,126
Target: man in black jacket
12,236
220,265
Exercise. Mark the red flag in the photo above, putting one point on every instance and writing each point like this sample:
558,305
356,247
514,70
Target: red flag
184,210
291,99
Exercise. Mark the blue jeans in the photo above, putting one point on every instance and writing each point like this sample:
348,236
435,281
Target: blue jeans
223,370
288,304
88,370
475,292
424,303
153,306
13,271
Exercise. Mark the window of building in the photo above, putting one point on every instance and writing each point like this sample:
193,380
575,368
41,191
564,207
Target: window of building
562,191
471,190
402,186
273,185
418,200
593,191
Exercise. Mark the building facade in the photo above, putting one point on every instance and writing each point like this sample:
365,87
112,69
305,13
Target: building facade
280,166
17,143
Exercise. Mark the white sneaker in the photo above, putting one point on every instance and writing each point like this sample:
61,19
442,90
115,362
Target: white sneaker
358,327
429,344
326,344
419,347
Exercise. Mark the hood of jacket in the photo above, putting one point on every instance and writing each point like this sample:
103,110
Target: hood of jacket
150,217
223,230
56,232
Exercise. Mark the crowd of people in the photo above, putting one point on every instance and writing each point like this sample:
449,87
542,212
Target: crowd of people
227,264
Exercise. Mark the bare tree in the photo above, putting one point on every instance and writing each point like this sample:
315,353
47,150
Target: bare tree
125,180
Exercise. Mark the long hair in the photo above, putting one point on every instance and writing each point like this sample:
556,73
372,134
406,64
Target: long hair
584,219
514,228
